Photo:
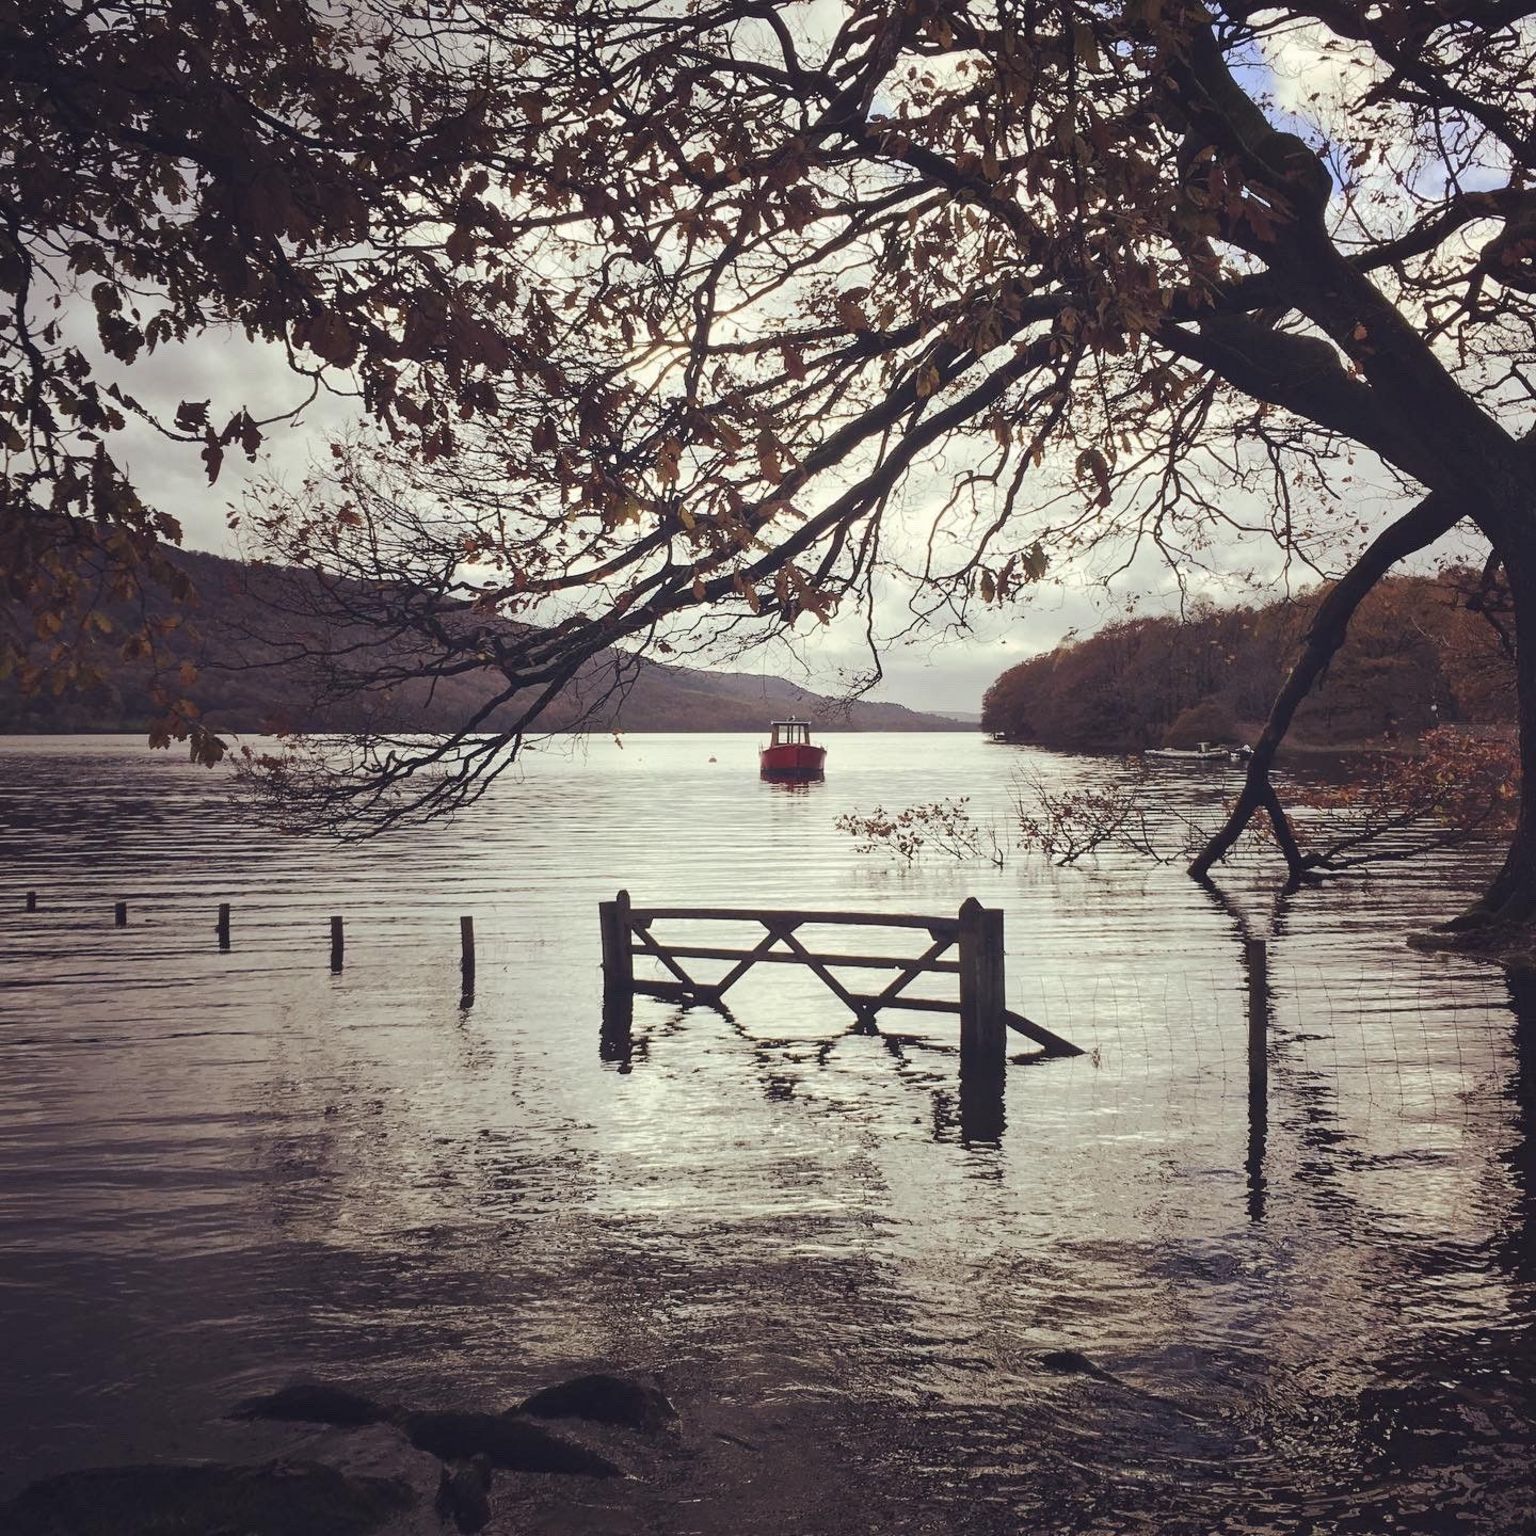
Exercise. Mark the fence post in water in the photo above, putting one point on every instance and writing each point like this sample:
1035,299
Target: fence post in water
467,956
31,901
338,944
1256,962
120,914
983,991
1256,959
222,926
618,965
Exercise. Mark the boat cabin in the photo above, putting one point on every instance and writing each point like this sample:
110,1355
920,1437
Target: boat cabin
791,733
792,754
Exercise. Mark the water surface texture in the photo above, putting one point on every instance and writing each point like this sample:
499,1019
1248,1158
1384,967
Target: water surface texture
221,1169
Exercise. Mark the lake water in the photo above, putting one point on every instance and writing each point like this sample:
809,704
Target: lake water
218,1170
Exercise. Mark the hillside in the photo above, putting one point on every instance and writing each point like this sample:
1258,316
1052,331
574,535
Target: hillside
1418,655
247,636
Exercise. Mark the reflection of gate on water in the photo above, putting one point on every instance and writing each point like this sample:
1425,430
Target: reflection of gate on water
975,935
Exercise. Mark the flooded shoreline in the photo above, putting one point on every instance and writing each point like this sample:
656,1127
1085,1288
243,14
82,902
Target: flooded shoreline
221,1170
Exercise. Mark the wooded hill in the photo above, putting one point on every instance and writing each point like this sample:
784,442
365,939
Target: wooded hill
247,654
1421,651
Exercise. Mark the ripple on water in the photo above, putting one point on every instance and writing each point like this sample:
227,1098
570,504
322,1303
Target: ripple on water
219,1168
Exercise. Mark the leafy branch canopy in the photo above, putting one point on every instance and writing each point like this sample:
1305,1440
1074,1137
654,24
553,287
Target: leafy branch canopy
725,309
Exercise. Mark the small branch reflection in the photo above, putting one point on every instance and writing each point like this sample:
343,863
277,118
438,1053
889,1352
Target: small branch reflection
1259,991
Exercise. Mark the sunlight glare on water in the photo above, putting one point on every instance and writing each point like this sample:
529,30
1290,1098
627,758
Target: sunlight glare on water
218,1169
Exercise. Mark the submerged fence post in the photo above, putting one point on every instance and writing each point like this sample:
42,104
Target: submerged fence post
222,926
1256,962
1256,959
618,965
338,944
983,1006
982,1115
467,956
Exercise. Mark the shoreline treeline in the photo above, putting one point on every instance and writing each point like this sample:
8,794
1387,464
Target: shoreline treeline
1423,651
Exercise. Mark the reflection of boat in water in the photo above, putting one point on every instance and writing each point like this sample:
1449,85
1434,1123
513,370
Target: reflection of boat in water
791,755
1204,753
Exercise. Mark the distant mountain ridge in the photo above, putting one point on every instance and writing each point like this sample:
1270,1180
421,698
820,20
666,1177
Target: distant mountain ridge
245,683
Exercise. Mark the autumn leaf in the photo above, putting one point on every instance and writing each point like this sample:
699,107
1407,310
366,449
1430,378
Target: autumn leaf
850,313
192,415
768,458
1092,464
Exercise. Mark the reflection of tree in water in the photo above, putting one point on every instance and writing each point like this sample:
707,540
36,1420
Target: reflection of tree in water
1260,996
1442,1437
1515,1252
1424,1419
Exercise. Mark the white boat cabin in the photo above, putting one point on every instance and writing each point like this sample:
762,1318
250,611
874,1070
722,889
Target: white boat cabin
791,733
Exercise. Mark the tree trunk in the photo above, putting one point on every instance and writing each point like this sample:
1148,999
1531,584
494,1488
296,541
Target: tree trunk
1510,901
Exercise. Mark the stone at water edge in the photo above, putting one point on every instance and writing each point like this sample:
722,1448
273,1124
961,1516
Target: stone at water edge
504,1442
1072,1362
464,1495
605,1400
315,1402
274,1499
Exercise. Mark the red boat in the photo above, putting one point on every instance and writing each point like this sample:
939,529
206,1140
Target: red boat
791,755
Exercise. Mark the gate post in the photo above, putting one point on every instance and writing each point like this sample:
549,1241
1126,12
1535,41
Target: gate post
618,965
983,991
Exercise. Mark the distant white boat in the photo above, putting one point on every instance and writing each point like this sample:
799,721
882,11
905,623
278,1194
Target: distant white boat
1204,753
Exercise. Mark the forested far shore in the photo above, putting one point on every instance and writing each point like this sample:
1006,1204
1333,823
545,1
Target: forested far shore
1422,651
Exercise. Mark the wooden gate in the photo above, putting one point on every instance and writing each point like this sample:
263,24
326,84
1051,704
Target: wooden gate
968,946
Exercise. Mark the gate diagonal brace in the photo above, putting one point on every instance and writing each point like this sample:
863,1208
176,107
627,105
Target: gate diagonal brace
915,969
650,945
1052,1045
776,931
837,987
